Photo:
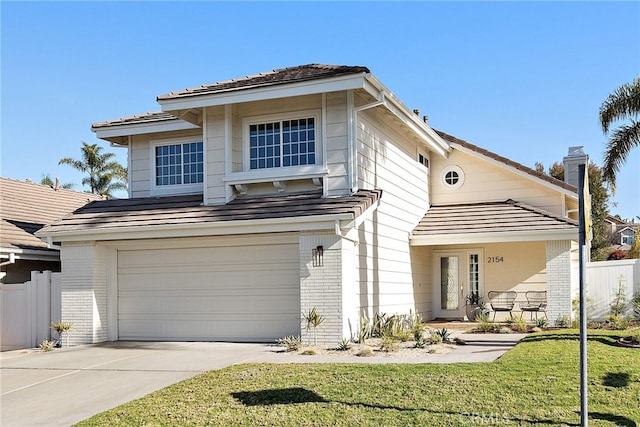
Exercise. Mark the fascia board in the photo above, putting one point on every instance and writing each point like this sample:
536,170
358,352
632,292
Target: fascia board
522,174
309,87
400,110
271,225
504,237
143,128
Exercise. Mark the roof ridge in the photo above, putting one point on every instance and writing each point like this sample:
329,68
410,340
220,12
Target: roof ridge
27,181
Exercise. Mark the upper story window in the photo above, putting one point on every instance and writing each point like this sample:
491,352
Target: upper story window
282,143
178,164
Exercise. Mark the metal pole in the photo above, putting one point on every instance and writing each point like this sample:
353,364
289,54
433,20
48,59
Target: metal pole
584,411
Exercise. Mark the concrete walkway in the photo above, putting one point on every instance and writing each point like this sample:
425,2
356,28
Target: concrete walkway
64,386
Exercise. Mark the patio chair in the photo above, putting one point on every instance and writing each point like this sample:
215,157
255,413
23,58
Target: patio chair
536,303
502,301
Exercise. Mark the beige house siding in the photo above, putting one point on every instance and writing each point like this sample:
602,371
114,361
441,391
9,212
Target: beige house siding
521,267
141,158
215,156
336,138
484,182
387,161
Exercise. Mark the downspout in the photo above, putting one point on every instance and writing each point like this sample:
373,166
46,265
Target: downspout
342,235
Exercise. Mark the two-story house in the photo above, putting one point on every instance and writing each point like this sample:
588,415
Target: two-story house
256,199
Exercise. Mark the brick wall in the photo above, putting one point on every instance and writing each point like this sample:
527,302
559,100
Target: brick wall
559,277
321,286
84,293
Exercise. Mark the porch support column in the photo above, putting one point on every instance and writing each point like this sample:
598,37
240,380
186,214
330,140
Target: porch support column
321,285
84,292
559,280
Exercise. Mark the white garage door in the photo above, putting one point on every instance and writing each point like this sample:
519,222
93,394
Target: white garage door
227,292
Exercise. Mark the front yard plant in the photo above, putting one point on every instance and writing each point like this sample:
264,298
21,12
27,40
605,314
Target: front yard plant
536,383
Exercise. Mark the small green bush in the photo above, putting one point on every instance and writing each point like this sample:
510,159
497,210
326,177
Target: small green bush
344,345
389,344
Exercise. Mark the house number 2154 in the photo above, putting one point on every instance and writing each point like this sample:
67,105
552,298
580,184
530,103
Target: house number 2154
493,259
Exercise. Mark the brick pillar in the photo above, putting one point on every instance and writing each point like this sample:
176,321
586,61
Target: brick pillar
321,286
84,293
558,279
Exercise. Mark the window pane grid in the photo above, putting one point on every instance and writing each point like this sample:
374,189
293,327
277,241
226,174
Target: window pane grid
180,164
284,143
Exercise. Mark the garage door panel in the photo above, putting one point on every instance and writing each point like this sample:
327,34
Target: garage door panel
242,293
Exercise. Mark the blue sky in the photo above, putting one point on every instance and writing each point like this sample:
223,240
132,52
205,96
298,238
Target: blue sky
522,79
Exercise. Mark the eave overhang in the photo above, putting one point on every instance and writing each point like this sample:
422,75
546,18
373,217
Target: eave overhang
495,237
119,134
270,225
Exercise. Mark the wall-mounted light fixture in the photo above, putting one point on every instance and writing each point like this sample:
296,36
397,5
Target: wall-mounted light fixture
317,254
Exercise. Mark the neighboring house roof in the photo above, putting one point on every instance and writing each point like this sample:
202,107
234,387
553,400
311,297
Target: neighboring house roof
189,210
507,162
300,73
496,218
25,207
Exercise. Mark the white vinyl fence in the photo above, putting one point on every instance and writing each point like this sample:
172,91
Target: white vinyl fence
28,309
603,280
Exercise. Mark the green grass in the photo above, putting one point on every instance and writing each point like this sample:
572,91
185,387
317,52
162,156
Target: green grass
535,383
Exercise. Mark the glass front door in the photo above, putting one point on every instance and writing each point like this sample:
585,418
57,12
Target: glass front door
456,275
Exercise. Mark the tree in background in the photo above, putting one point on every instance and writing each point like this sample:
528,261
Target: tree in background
104,174
46,180
623,103
599,206
634,252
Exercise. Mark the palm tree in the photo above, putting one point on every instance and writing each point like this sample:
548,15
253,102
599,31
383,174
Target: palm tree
622,104
48,181
105,175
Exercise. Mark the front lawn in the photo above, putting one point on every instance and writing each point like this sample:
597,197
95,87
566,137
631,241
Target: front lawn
535,383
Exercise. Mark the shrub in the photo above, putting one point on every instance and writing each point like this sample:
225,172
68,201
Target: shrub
616,255
61,328
484,324
344,345
47,345
309,352
618,322
619,304
562,321
291,343
389,344
541,323
444,334
635,303
435,338
519,324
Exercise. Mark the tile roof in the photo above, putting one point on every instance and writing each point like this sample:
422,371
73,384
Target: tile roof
175,210
271,78
25,207
491,217
506,161
151,117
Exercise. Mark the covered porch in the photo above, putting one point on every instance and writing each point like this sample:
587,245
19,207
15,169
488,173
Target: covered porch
460,250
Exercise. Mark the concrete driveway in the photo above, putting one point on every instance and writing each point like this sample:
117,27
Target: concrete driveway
62,387
65,386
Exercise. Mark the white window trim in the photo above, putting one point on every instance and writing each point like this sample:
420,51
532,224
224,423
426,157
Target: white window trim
427,157
164,190
285,171
461,177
